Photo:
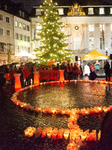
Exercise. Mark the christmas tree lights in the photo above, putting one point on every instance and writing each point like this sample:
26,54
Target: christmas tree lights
54,42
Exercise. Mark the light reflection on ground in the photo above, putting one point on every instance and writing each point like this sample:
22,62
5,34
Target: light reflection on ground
73,95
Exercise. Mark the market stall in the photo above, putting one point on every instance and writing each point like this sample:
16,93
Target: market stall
94,55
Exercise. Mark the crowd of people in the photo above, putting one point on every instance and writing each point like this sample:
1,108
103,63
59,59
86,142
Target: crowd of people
71,71
26,77
89,70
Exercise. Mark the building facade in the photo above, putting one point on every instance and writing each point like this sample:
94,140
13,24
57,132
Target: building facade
22,39
6,36
14,33
90,27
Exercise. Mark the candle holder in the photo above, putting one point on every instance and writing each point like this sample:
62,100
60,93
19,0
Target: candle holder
17,81
36,77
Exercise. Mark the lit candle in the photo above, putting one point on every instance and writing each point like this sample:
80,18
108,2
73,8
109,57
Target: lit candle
38,132
43,133
83,136
60,135
49,132
66,134
54,133
30,131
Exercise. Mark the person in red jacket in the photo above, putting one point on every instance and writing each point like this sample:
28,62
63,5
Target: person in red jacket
26,73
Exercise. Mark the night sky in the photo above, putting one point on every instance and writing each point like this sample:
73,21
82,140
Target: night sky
28,4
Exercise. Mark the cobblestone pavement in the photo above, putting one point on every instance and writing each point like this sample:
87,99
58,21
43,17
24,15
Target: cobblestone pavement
15,120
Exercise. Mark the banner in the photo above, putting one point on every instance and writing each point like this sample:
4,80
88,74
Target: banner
52,75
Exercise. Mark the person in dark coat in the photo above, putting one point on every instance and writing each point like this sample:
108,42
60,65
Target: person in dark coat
2,79
12,72
105,142
81,70
20,70
107,70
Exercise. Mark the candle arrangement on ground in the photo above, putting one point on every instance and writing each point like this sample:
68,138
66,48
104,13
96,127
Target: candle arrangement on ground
74,134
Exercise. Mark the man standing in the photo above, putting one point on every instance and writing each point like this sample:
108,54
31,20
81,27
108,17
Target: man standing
107,70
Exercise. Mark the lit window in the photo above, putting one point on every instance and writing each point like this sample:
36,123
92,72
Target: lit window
21,37
91,27
24,37
76,43
102,27
60,11
1,31
1,47
24,26
16,23
28,49
8,32
7,19
28,28
38,27
91,43
110,10
38,11
20,25
28,39
90,11
102,43
5,7
17,49
101,11
8,47
17,36
22,14
1,17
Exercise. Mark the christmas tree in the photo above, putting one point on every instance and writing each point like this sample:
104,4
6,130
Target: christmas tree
54,42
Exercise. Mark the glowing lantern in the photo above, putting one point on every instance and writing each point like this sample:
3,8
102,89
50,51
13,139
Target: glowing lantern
78,141
66,134
38,132
43,133
71,146
72,134
30,131
54,133
60,133
105,109
36,77
83,136
17,81
99,135
61,75
49,132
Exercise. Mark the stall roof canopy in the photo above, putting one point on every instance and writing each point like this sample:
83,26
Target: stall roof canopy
94,55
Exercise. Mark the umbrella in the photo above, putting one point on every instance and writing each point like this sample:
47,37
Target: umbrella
3,68
29,64
14,63
51,62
